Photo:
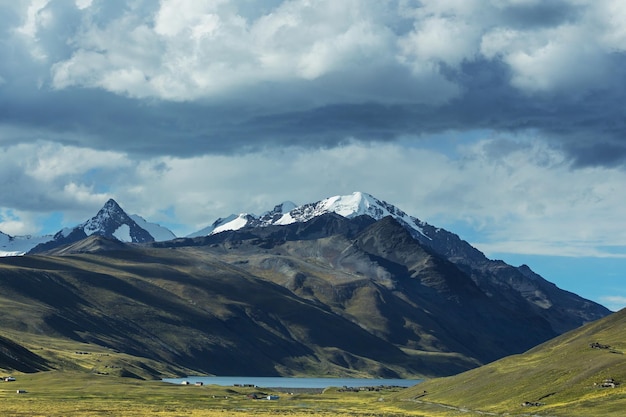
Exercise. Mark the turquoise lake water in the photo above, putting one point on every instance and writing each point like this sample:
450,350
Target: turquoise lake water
287,382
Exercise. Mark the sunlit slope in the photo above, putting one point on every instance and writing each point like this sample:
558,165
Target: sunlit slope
563,377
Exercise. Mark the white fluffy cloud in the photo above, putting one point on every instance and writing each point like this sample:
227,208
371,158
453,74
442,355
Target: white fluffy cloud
614,302
187,50
552,59
195,49
45,177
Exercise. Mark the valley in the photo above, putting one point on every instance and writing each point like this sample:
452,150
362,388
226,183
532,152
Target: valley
327,296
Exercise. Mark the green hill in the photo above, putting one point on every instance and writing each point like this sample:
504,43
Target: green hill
562,377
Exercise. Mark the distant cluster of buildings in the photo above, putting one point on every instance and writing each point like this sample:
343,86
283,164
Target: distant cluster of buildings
252,396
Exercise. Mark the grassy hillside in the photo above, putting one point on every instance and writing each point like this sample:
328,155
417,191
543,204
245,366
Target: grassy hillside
47,353
563,377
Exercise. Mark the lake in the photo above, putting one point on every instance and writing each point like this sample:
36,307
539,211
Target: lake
290,382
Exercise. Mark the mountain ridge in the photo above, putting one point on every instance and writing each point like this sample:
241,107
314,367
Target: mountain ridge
520,283
498,281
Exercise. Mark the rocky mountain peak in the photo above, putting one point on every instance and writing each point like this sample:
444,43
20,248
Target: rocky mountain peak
108,219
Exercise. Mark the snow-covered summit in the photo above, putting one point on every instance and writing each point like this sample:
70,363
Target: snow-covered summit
109,221
352,205
112,221
349,206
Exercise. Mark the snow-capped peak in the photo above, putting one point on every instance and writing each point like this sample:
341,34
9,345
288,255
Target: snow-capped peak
351,205
111,221
110,212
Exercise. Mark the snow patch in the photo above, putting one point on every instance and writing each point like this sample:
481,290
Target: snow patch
122,233
158,232
235,224
6,254
19,245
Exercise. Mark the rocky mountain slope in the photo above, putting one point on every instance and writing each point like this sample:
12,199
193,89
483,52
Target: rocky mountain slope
518,288
189,309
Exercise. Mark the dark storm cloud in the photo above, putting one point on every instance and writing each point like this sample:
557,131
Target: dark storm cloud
590,128
540,14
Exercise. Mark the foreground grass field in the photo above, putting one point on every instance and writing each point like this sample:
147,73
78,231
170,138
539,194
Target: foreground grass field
88,381
79,394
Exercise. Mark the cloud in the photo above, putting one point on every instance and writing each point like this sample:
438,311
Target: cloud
614,302
205,49
44,177
541,206
138,99
527,208
182,77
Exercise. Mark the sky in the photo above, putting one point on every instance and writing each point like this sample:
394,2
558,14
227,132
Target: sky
500,120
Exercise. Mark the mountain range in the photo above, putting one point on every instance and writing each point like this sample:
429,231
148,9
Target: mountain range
112,221
349,284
